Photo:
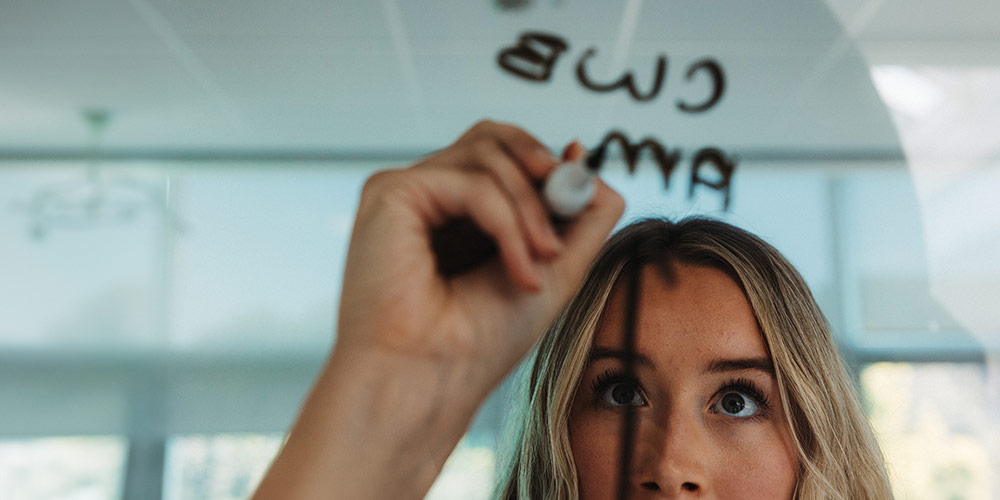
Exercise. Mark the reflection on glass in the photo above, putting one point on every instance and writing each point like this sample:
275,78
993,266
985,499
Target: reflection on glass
939,427
229,466
221,466
80,468
468,474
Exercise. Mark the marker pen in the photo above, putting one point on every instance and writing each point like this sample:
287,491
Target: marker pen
459,245
571,186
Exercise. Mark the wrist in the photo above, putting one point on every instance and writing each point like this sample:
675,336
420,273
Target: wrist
375,425
425,395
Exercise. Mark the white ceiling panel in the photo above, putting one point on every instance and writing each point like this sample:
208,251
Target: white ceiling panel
409,76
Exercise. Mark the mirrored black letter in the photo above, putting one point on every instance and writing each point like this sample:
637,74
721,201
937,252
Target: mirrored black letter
533,57
666,159
625,81
718,85
722,163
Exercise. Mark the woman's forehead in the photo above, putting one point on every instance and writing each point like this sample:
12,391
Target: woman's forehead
690,310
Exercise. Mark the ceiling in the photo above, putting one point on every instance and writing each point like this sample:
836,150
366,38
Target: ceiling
389,77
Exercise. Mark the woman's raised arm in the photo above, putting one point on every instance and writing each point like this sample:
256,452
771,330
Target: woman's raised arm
416,351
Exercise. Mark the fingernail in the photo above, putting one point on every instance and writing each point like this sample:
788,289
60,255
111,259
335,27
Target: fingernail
544,155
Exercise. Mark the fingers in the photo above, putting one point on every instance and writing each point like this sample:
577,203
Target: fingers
527,151
490,156
573,152
520,162
490,175
478,195
585,236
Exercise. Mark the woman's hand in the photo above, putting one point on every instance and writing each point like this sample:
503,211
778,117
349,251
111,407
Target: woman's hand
395,300
416,351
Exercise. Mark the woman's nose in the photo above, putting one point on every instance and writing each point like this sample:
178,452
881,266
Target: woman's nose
671,458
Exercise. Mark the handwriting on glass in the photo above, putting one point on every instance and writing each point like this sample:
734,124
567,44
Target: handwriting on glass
667,159
533,57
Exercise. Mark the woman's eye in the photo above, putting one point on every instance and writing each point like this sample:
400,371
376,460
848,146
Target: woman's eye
622,394
736,404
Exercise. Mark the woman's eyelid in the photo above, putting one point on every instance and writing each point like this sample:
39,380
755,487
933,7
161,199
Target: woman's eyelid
746,387
611,374
745,383
616,368
616,375
612,377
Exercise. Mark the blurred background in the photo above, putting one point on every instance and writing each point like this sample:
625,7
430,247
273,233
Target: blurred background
178,182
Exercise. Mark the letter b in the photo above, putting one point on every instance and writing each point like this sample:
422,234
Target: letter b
533,57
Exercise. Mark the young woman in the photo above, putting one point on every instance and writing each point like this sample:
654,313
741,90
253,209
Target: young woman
725,398
736,390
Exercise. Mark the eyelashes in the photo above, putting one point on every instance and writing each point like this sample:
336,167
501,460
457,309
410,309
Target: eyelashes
741,398
738,398
615,389
610,377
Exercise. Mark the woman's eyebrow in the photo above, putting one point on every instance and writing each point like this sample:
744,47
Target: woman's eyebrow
598,352
739,364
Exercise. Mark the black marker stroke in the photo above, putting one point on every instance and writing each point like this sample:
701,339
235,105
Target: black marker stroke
633,273
666,159
534,55
625,81
718,85
722,163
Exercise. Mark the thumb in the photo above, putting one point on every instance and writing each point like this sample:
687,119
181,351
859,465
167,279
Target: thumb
585,236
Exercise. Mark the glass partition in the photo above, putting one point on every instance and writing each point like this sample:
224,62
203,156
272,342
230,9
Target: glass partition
178,183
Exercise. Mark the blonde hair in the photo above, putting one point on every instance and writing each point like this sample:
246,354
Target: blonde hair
838,455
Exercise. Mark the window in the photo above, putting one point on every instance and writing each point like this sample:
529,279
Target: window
220,466
55,468
937,425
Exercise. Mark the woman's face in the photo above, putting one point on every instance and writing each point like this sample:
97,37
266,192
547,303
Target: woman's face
708,416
